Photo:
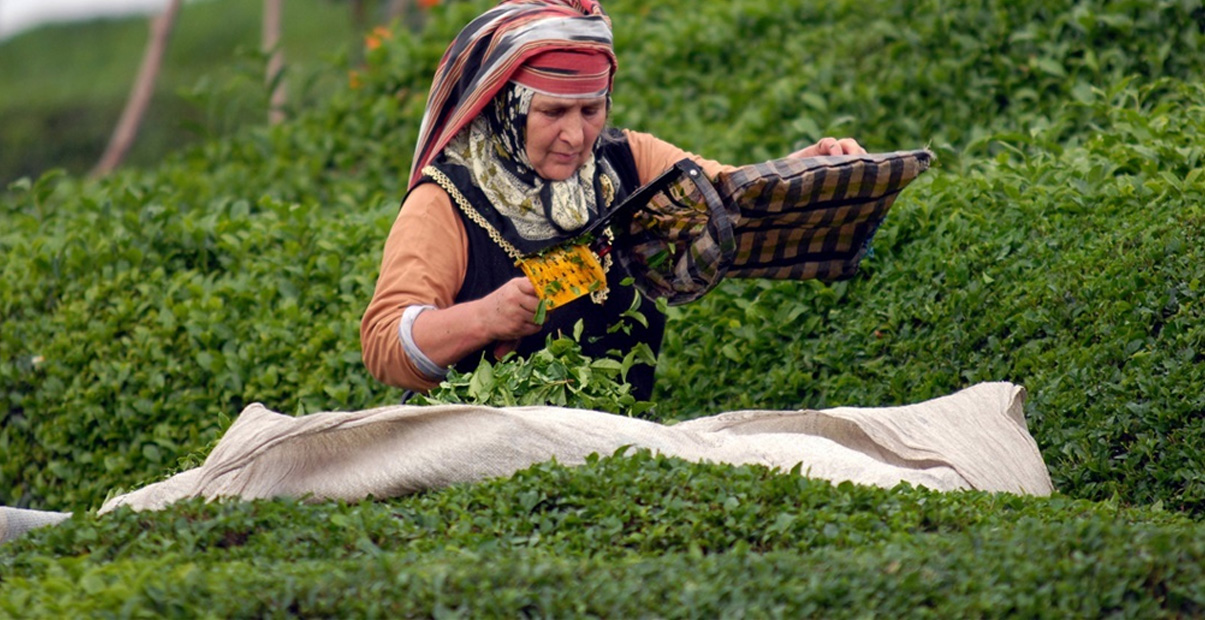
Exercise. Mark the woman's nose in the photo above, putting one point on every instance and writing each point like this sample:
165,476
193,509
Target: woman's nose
573,130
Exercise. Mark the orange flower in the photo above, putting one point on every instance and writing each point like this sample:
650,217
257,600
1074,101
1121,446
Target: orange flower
428,4
373,39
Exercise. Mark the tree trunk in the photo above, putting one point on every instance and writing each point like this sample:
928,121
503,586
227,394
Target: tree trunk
272,47
140,96
399,9
407,12
359,16
359,25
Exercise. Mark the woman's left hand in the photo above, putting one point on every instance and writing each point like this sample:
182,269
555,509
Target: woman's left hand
831,146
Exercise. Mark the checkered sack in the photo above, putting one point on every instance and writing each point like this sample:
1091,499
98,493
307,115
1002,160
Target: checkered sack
787,219
679,243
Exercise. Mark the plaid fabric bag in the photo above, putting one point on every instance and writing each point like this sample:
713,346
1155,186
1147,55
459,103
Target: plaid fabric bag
786,219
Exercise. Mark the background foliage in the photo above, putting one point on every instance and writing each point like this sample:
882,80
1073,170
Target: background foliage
65,84
1055,245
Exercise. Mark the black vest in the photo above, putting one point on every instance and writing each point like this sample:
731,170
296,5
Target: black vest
489,267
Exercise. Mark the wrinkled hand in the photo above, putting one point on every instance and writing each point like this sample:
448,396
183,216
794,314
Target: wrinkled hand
511,313
831,146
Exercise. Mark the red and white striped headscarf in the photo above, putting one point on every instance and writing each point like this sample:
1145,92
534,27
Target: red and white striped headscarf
497,47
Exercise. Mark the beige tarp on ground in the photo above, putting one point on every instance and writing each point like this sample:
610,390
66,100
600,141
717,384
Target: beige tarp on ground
973,439
16,521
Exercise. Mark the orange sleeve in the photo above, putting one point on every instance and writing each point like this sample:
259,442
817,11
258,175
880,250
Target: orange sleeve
424,263
654,156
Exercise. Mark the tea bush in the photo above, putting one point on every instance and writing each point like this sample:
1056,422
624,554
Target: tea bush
1071,271
1055,244
623,535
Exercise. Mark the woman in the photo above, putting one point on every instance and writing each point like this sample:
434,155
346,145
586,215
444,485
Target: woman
513,158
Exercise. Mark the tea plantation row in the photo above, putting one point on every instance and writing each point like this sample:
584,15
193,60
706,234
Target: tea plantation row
1056,245
621,536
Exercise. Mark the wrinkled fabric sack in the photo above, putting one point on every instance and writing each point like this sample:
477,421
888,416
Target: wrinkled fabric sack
787,219
973,439
14,522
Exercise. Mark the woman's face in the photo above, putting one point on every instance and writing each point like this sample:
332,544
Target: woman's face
561,133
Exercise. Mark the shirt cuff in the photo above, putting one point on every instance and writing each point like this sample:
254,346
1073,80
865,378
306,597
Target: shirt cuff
405,330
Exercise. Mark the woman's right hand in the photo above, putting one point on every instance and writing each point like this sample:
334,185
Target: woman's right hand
510,311
498,320
514,305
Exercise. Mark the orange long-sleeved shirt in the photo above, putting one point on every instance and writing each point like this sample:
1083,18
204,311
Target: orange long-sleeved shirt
426,257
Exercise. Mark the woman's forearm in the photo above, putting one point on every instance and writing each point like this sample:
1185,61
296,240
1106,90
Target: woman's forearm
445,336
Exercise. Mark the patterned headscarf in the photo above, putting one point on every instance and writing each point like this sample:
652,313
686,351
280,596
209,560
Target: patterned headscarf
493,151
487,53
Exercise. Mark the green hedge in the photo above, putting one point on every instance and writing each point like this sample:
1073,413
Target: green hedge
620,536
1056,244
145,309
744,81
1074,272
